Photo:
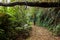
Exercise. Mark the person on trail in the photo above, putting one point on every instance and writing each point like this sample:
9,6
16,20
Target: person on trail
34,19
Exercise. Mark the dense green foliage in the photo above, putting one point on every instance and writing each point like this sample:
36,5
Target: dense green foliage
16,21
13,22
50,18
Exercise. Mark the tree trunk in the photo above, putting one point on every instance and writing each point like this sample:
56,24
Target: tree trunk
33,4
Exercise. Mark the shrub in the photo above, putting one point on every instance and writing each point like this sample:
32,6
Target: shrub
57,30
10,27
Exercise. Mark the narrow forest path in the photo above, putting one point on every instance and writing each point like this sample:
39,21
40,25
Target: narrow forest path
40,33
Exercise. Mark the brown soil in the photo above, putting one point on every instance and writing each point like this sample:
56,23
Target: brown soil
40,33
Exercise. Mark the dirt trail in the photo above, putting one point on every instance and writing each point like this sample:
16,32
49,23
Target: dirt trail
40,33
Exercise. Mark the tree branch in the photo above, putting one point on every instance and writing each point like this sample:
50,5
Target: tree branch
33,4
